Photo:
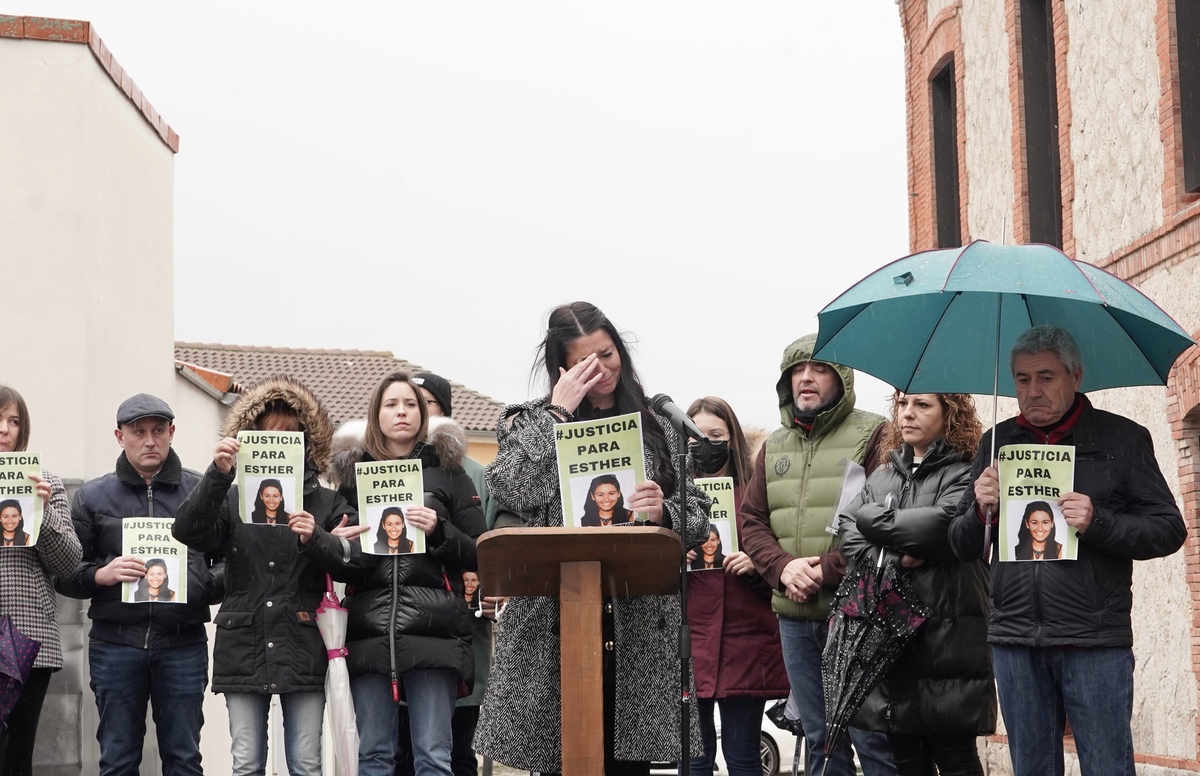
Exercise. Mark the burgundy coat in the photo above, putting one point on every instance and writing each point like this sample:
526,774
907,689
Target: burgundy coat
735,635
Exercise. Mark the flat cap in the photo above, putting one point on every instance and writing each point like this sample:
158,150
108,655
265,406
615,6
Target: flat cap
143,405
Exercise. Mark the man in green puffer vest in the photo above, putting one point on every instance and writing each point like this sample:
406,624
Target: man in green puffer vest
790,500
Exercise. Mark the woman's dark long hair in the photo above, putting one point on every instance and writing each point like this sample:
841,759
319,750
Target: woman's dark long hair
381,537
165,593
20,538
1024,550
591,512
739,451
259,515
568,323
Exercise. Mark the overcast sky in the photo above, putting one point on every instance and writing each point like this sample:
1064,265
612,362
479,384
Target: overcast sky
431,178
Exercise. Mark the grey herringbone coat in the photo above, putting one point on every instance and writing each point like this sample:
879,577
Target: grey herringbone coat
519,721
27,594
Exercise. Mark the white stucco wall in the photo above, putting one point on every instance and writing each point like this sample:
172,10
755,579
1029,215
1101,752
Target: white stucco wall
988,112
86,213
198,419
934,7
1113,74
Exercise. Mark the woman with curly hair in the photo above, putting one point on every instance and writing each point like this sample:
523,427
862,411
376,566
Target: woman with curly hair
940,694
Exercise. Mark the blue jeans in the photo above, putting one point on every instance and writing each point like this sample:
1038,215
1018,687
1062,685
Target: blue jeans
124,680
1041,688
803,641
430,695
741,719
303,719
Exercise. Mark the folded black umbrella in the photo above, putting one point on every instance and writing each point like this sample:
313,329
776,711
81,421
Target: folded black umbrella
875,615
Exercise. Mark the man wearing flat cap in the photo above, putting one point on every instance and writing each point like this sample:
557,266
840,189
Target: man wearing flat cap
141,653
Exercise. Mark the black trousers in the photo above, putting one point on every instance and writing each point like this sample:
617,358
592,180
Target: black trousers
951,754
16,744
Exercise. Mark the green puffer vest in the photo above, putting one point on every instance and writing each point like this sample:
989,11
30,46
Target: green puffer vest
805,471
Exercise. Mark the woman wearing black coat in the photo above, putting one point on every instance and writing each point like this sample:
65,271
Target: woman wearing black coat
267,638
409,628
940,694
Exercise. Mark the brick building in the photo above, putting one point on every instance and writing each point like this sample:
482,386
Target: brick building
1078,124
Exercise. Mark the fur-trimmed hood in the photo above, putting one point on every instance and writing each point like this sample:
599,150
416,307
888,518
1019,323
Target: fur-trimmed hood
446,438
318,428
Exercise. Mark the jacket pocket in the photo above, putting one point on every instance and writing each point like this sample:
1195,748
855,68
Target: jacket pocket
234,651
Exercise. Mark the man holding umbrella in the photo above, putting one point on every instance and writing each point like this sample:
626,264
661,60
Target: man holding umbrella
1060,632
791,499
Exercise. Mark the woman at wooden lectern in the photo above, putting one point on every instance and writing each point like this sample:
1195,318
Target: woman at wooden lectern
590,376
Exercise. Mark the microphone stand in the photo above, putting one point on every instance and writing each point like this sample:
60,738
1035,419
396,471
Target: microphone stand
685,632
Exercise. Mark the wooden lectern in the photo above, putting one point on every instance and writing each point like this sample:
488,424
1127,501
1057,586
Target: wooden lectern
579,566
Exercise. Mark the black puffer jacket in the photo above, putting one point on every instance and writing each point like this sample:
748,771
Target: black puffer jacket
267,637
1083,603
942,683
420,595
98,511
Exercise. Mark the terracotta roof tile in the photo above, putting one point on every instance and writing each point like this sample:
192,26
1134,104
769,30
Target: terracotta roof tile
342,379
72,31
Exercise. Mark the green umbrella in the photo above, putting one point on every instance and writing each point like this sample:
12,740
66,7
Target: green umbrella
941,321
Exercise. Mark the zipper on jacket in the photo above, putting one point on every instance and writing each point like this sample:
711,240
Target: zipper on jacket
150,513
392,628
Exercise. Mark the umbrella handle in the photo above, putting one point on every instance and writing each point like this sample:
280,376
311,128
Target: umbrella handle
328,583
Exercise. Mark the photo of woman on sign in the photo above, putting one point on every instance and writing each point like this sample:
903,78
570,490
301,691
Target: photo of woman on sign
709,556
269,508
392,536
605,505
1036,536
156,585
12,520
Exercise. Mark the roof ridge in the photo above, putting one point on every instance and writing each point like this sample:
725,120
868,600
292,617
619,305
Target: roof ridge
275,349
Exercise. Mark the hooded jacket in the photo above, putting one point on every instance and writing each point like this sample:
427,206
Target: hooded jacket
407,612
793,494
267,638
1085,602
98,512
942,682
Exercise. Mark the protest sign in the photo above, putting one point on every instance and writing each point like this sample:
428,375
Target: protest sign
600,462
20,504
385,490
150,539
270,475
1032,480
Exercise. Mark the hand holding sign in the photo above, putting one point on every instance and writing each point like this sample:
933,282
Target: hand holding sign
647,498
739,563
302,524
43,488
1077,510
225,454
125,568
423,518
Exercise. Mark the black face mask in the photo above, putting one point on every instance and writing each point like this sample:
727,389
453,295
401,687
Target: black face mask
710,456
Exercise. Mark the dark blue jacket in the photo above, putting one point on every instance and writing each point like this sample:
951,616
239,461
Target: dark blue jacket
1085,602
98,511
